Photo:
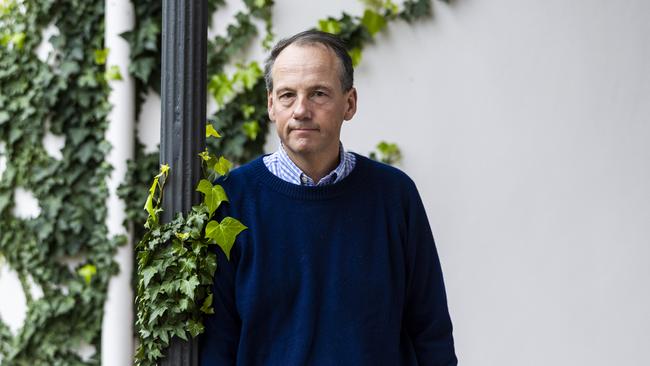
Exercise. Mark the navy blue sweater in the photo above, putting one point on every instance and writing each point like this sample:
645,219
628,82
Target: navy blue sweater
345,274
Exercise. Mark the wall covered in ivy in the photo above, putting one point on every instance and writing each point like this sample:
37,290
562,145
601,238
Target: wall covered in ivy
60,251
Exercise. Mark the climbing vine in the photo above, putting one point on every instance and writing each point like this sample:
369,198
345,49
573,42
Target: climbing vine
175,263
64,250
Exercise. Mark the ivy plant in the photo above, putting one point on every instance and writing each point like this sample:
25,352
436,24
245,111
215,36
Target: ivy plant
176,261
64,249
387,153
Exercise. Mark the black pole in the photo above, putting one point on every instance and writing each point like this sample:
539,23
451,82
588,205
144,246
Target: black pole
183,95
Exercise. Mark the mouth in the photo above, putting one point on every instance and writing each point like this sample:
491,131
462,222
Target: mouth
303,129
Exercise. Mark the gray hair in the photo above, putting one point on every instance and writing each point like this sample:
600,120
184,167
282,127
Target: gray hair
312,37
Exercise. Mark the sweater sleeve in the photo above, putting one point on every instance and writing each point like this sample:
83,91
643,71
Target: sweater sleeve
219,343
426,317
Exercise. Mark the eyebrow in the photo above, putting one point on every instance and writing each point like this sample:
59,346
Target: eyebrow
317,86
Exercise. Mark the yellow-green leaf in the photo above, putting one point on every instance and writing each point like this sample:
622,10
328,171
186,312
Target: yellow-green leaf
251,129
164,170
329,26
182,236
213,195
205,155
87,272
113,73
247,76
247,110
222,166
355,55
373,21
100,56
220,87
224,233
210,131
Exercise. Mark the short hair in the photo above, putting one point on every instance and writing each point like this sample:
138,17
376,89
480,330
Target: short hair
311,37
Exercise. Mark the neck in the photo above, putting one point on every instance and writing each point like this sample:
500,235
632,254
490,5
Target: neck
316,166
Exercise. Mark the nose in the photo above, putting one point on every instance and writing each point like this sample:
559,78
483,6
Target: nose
301,109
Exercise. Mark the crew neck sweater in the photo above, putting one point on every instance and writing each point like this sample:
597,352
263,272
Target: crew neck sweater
342,274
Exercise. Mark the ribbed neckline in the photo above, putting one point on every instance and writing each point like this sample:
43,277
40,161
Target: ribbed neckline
261,173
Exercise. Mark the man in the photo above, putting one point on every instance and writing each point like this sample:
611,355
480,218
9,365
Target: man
338,266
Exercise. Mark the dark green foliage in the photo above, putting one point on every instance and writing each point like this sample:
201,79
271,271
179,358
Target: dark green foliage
73,96
230,120
176,265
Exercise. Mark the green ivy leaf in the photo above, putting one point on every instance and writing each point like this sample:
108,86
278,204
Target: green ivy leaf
373,4
100,56
222,166
391,7
251,129
147,274
329,25
156,313
220,87
195,328
247,110
224,233
355,55
373,21
18,40
248,76
182,236
207,305
4,117
188,287
113,73
213,195
87,272
210,131
205,155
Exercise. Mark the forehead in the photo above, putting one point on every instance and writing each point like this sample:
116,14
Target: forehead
310,63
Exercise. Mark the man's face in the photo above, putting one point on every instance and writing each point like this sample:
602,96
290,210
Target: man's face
307,102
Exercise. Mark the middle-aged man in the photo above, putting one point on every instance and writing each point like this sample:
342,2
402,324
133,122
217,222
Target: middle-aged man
338,266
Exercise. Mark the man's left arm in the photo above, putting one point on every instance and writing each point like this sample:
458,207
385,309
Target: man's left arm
426,315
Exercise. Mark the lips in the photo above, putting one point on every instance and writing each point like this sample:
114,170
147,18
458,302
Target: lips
304,129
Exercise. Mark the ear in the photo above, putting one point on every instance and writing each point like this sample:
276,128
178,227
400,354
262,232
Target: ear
269,105
351,104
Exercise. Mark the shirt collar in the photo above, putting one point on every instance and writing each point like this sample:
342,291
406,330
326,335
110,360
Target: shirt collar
304,179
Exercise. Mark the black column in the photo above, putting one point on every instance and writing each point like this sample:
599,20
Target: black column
183,94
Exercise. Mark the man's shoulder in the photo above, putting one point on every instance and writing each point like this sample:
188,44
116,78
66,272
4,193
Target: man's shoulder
384,174
242,175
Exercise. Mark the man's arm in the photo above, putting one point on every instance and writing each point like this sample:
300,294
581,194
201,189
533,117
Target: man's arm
426,315
218,346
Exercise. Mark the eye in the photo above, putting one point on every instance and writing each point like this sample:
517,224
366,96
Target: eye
320,96
286,95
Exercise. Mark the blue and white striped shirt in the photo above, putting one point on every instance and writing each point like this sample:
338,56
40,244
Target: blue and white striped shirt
280,165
